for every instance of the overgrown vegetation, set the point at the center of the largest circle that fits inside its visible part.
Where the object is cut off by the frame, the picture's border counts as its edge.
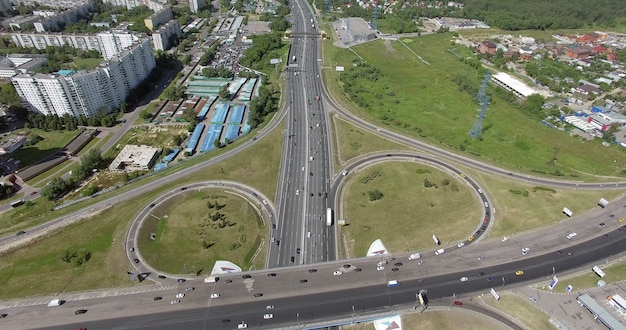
(59, 186)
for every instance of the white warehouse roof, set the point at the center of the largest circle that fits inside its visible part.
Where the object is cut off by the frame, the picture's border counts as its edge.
(508, 82)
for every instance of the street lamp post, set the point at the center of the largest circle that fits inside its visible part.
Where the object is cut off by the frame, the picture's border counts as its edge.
(453, 300)
(503, 282)
(416, 299)
(352, 313)
(298, 316)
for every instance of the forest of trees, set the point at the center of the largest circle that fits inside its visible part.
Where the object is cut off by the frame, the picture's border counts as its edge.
(504, 14)
(543, 15)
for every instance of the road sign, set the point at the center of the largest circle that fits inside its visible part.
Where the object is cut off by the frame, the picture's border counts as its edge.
(553, 283)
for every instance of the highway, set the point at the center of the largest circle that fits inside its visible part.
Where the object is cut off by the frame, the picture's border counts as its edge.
(302, 235)
(325, 299)
(306, 175)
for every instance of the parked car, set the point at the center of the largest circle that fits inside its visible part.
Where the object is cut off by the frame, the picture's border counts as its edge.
(215, 295)
(268, 316)
(157, 298)
(80, 311)
(180, 295)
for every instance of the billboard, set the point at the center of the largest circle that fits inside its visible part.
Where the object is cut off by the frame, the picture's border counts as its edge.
(494, 294)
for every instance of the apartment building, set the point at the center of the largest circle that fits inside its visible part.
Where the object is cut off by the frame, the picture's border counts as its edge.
(87, 92)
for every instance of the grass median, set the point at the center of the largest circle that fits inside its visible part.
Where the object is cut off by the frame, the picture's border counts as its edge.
(520, 309)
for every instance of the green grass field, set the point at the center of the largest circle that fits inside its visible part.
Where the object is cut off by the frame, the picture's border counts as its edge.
(522, 207)
(614, 273)
(84, 63)
(408, 214)
(22, 270)
(521, 310)
(421, 100)
(52, 142)
(352, 141)
(183, 223)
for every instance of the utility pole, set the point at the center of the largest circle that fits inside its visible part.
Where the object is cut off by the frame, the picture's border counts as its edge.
(352, 313)
(298, 316)
(503, 282)
(416, 299)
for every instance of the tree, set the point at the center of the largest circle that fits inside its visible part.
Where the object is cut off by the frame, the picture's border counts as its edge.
(217, 143)
(223, 94)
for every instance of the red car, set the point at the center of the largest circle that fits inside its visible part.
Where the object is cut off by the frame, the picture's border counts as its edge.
(458, 303)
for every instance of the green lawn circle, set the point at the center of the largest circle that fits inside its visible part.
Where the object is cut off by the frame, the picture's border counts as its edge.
(409, 213)
(190, 237)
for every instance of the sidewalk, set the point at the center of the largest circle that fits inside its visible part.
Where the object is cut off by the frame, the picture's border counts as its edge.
(43, 300)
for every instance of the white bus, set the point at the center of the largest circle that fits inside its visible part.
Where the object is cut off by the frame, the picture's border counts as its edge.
(598, 271)
(329, 217)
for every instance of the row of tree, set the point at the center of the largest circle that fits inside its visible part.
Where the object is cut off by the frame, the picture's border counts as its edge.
(58, 187)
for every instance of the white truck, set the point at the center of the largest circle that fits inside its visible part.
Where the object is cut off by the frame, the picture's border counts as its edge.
(55, 303)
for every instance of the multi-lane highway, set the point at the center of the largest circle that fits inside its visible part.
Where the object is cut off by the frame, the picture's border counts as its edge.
(302, 235)
(305, 298)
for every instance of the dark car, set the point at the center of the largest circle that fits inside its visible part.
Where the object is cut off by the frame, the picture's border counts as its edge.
(247, 276)
(601, 224)
(157, 298)
(152, 205)
(481, 273)
(183, 188)
(136, 260)
(277, 242)
(181, 280)
(257, 295)
(271, 275)
(312, 270)
(347, 266)
(394, 269)
(3, 316)
(292, 259)
(224, 321)
(162, 276)
(398, 264)
(490, 279)
(189, 289)
(273, 226)
(358, 270)
(21, 232)
(228, 281)
(484, 227)
(80, 311)
(303, 281)
(298, 250)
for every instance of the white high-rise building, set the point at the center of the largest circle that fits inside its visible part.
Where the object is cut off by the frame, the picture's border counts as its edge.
(195, 5)
(114, 42)
(86, 92)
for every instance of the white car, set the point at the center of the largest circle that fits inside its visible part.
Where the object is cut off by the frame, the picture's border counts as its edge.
(302, 168)
(486, 204)
(268, 316)
(464, 278)
(461, 244)
(174, 302)
(415, 256)
(215, 295)
(297, 192)
(337, 273)
(242, 325)
(269, 307)
(572, 235)
(380, 267)
(264, 202)
(504, 239)
(180, 295)
(525, 249)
